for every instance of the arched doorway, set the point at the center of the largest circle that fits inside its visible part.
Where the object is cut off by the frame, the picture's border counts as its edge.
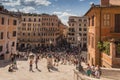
(22, 46)
(2, 57)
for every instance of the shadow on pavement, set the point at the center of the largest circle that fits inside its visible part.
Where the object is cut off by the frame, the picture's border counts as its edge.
(39, 70)
(81, 70)
(4, 63)
(54, 69)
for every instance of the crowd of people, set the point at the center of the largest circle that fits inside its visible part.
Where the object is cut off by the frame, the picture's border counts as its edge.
(94, 71)
(13, 64)
(54, 57)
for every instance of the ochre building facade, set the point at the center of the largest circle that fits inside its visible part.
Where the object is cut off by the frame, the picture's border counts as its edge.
(104, 35)
(77, 29)
(8, 33)
(38, 30)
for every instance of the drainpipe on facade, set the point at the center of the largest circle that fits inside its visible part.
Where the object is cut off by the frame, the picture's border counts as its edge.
(100, 36)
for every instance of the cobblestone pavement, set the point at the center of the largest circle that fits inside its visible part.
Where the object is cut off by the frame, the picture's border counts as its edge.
(65, 72)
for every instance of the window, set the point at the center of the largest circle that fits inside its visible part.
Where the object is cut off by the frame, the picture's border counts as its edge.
(85, 20)
(84, 34)
(33, 24)
(28, 29)
(118, 50)
(52, 24)
(72, 20)
(14, 33)
(92, 20)
(38, 25)
(80, 20)
(43, 24)
(80, 34)
(106, 19)
(69, 24)
(72, 29)
(79, 24)
(29, 24)
(23, 34)
(92, 45)
(1, 48)
(84, 45)
(30, 20)
(34, 19)
(89, 40)
(89, 21)
(14, 22)
(73, 39)
(24, 24)
(39, 20)
(84, 24)
(88, 56)
(34, 34)
(8, 35)
(28, 34)
(3, 21)
(22, 28)
(18, 34)
(1, 35)
(72, 24)
(117, 23)
(8, 21)
(38, 34)
(85, 29)
(24, 19)
(80, 29)
(13, 44)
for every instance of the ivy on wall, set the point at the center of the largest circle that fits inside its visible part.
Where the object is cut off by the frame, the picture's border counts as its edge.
(118, 48)
(100, 46)
(104, 47)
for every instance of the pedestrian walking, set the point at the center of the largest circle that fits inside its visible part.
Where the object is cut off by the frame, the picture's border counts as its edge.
(36, 61)
(13, 58)
(88, 70)
(97, 71)
(31, 65)
(15, 65)
(93, 70)
(49, 62)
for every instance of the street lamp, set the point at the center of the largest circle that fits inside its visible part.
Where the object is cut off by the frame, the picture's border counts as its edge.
(50, 44)
(7, 52)
(11, 50)
(79, 52)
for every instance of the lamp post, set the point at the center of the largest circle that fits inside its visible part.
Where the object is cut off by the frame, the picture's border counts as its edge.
(50, 44)
(11, 50)
(79, 53)
(7, 52)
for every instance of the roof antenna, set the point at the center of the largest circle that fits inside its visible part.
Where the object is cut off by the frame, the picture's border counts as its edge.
(92, 4)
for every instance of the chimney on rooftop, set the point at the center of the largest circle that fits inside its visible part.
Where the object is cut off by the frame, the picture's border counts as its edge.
(105, 2)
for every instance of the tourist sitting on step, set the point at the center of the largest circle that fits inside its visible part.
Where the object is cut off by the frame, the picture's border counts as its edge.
(10, 69)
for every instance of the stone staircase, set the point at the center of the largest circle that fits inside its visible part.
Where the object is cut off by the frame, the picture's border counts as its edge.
(107, 74)
(79, 76)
